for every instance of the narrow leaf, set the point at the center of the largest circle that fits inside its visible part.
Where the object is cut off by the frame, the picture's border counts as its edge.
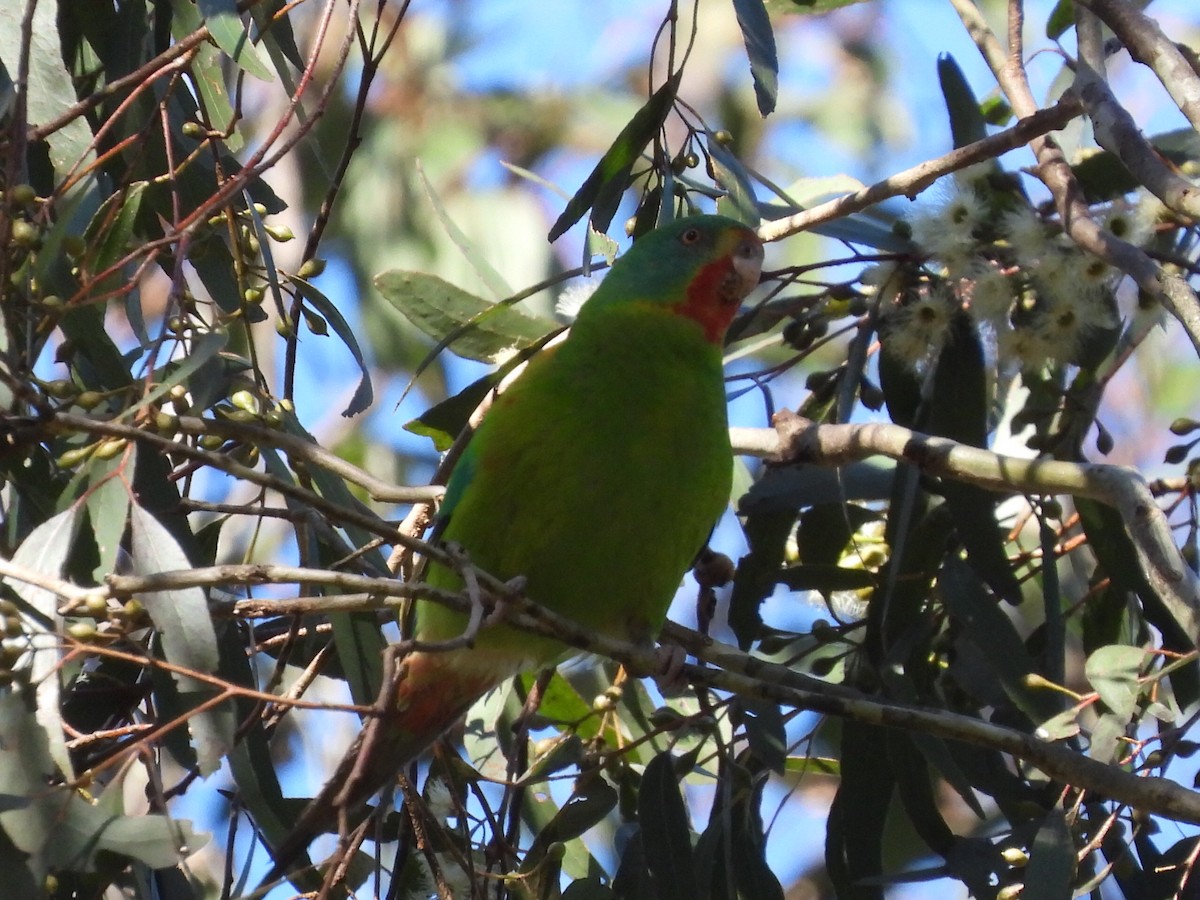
(45, 551)
(493, 279)
(108, 509)
(739, 200)
(666, 836)
(233, 36)
(1052, 859)
(364, 394)
(439, 309)
(188, 638)
(967, 124)
(602, 189)
(760, 49)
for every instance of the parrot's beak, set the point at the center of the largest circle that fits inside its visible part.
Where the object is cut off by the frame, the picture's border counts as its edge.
(747, 264)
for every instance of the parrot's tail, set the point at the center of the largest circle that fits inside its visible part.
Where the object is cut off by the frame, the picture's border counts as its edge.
(430, 696)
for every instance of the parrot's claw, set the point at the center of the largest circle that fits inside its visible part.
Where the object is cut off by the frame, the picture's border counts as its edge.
(514, 587)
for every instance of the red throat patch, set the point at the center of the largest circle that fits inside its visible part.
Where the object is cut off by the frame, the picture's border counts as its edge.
(713, 299)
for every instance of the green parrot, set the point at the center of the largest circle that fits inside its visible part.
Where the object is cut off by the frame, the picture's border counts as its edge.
(597, 476)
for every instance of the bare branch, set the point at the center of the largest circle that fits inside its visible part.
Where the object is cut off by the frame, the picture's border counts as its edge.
(1147, 44)
(1116, 131)
(912, 181)
(799, 440)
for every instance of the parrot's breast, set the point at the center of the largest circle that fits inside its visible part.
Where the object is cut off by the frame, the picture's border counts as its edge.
(598, 476)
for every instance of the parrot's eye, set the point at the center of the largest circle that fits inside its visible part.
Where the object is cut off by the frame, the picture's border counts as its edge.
(691, 236)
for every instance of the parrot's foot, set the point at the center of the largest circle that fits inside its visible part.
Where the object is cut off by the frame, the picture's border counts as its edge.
(514, 587)
(668, 674)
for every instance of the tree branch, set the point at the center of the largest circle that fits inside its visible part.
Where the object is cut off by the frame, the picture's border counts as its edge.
(911, 182)
(747, 676)
(1147, 44)
(1116, 131)
(799, 440)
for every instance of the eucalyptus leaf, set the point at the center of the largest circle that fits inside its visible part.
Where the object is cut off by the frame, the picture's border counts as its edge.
(760, 49)
(601, 191)
(188, 639)
(57, 827)
(45, 551)
(481, 330)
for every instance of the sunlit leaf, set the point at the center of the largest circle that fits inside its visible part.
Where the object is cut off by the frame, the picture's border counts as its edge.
(231, 35)
(57, 827)
(1114, 672)
(481, 330)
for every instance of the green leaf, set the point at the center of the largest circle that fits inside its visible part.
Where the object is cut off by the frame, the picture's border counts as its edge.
(443, 421)
(111, 231)
(49, 91)
(480, 330)
(45, 551)
(277, 35)
(232, 35)
(826, 528)
(601, 191)
(760, 49)
(364, 394)
(915, 789)
(207, 73)
(967, 124)
(981, 621)
(739, 200)
(107, 505)
(1052, 858)
(1114, 672)
(1061, 18)
(765, 733)
(796, 487)
(58, 828)
(564, 707)
(876, 226)
(958, 409)
(488, 275)
(1114, 550)
(188, 638)
(758, 571)
(938, 755)
(1102, 176)
(666, 836)
(591, 802)
(813, 765)
(857, 818)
